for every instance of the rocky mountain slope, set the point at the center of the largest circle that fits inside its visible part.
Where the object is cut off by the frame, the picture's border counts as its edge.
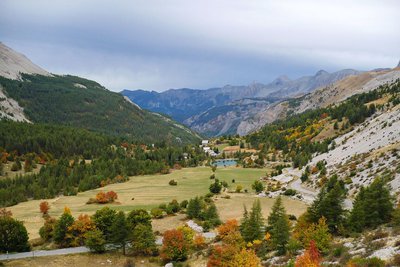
(368, 150)
(218, 111)
(28, 93)
(12, 64)
(322, 97)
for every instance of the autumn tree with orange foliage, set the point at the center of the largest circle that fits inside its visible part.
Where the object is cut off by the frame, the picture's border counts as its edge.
(103, 198)
(76, 232)
(175, 247)
(232, 251)
(111, 196)
(44, 208)
(199, 242)
(310, 258)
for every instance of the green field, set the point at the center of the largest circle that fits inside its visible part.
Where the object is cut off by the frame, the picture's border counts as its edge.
(151, 190)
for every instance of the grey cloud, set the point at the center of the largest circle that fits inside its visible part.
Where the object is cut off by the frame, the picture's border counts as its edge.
(159, 44)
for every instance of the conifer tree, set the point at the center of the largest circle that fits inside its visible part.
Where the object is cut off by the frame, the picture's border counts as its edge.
(120, 233)
(279, 226)
(61, 227)
(194, 208)
(143, 240)
(252, 223)
(373, 206)
(329, 204)
(211, 215)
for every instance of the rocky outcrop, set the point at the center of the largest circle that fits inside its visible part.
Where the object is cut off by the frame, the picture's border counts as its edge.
(12, 64)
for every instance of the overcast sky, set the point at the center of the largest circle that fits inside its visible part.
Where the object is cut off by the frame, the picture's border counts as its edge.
(162, 44)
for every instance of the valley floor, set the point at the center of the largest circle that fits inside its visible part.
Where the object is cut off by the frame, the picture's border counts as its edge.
(151, 190)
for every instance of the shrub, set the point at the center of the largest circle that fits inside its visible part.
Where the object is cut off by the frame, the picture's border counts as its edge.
(129, 263)
(173, 182)
(44, 207)
(103, 197)
(215, 187)
(157, 213)
(362, 262)
(184, 204)
(257, 186)
(239, 188)
(396, 260)
(290, 192)
(13, 235)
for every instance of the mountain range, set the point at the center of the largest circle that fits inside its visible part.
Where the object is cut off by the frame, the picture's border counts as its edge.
(218, 111)
(29, 93)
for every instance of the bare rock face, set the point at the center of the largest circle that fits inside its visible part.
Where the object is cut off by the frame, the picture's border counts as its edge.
(10, 109)
(12, 64)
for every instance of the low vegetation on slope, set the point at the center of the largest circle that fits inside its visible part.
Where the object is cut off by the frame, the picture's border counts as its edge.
(78, 102)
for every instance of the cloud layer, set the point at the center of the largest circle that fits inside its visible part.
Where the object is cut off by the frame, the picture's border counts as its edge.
(159, 44)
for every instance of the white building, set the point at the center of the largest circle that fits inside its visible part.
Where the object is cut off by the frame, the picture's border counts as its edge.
(204, 142)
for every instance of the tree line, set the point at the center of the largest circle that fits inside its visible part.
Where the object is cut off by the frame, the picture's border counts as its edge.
(68, 176)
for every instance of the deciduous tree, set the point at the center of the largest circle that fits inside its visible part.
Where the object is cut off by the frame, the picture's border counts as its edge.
(174, 246)
(44, 208)
(13, 235)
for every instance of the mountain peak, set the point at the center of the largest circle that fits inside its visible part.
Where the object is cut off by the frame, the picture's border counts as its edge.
(398, 65)
(321, 72)
(281, 80)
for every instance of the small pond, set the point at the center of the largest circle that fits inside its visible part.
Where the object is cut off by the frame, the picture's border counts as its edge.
(224, 162)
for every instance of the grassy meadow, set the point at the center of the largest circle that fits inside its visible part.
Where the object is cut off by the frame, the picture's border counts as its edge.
(149, 191)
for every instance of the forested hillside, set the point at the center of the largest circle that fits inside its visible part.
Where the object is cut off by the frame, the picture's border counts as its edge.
(76, 160)
(78, 102)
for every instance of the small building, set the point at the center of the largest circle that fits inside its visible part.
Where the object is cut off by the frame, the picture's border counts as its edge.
(206, 149)
(204, 142)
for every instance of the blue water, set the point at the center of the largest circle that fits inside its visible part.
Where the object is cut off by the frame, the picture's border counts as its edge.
(224, 162)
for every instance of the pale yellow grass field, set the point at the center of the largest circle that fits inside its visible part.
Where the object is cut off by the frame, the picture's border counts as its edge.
(80, 260)
(151, 190)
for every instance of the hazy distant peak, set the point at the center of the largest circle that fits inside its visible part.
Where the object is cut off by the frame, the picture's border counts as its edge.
(281, 80)
(321, 72)
(12, 64)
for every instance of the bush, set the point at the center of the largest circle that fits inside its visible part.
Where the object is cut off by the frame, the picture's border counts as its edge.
(365, 262)
(239, 188)
(257, 186)
(157, 213)
(184, 204)
(215, 187)
(129, 263)
(13, 235)
(396, 260)
(173, 182)
(290, 192)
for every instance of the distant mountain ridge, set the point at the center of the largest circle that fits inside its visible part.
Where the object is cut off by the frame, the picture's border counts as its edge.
(31, 94)
(229, 104)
